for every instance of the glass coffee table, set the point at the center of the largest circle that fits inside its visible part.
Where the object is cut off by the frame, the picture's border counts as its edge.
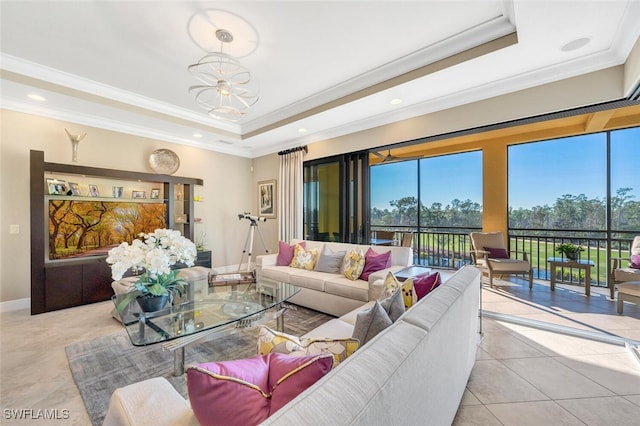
(224, 309)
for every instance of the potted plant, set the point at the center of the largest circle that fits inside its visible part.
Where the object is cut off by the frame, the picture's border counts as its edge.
(570, 250)
(153, 254)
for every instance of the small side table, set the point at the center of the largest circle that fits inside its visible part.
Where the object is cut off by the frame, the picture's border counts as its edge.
(411, 271)
(561, 262)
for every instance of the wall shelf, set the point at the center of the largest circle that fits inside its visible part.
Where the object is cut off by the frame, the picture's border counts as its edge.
(71, 282)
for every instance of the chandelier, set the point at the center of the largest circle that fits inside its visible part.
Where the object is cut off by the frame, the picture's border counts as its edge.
(227, 92)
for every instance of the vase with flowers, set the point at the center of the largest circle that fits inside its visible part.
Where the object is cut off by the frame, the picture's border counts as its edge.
(152, 255)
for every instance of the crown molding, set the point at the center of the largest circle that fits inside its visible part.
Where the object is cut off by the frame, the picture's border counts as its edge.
(53, 76)
(119, 126)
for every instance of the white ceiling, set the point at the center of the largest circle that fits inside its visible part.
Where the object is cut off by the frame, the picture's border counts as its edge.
(329, 67)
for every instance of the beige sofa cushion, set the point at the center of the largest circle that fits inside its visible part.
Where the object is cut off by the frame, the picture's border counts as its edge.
(508, 265)
(309, 279)
(279, 273)
(342, 286)
(153, 402)
(488, 239)
(627, 274)
(631, 288)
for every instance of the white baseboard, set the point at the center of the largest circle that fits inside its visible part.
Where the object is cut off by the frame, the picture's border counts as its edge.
(15, 305)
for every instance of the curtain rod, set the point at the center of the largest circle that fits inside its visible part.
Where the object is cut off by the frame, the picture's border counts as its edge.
(289, 151)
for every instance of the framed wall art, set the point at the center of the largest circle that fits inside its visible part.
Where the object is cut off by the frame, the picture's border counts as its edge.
(267, 198)
(137, 195)
(93, 191)
(74, 188)
(56, 186)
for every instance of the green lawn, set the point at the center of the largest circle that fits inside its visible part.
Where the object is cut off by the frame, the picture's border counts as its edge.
(458, 246)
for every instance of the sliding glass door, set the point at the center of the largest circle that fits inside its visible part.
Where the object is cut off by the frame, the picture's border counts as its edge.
(334, 200)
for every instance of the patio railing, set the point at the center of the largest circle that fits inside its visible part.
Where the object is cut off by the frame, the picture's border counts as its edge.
(449, 247)
(599, 248)
(443, 247)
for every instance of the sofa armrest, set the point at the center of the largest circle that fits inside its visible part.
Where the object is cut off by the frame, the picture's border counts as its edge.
(375, 289)
(382, 274)
(266, 260)
(150, 402)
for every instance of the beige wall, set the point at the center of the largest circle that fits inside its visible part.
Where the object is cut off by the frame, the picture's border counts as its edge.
(593, 88)
(228, 189)
(265, 168)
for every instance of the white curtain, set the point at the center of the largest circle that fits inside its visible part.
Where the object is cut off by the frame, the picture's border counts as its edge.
(290, 203)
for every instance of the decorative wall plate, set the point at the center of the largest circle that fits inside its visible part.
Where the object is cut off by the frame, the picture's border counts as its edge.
(164, 161)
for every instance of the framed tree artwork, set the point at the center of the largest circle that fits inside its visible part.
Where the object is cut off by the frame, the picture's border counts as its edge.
(267, 198)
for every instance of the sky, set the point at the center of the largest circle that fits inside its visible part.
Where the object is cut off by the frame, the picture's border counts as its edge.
(444, 178)
(539, 172)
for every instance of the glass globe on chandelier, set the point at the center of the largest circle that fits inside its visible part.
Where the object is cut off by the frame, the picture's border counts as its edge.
(227, 92)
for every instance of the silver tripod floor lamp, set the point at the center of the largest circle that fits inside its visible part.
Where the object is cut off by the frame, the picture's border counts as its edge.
(248, 245)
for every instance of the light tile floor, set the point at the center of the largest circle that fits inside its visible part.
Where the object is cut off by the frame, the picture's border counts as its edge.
(522, 375)
(527, 376)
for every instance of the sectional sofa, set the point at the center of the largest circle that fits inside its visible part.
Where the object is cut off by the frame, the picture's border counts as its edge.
(413, 372)
(333, 293)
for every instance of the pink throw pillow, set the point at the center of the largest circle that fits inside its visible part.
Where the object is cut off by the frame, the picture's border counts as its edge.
(290, 375)
(230, 392)
(635, 262)
(247, 391)
(424, 284)
(497, 253)
(374, 262)
(285, 253)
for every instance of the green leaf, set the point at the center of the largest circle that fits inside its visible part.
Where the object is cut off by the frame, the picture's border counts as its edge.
(127, 299)
(157, 289)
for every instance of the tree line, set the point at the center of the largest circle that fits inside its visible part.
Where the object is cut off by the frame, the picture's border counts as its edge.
(567, 212)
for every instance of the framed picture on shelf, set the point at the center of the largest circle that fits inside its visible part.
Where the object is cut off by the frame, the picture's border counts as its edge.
(57, 187)
(155, 193)
(73, 187)
(267, 198)
(93, 191)
(137, 195)
(117, 191)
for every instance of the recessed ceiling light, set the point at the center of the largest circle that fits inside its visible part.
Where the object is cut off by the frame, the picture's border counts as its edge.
(395, 101)
(302, 130)
(197, 135)
(575, 44)
(35, 97)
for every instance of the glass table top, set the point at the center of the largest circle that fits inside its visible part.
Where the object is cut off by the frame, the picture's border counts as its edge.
(565, 260)
(220, 305)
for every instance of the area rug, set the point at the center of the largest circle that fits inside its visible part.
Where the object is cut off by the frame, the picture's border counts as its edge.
(101, 365)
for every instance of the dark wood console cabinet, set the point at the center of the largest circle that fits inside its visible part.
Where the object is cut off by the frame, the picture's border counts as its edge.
(74, 282)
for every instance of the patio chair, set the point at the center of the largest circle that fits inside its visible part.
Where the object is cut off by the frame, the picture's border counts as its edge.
(385, 238)
(407, 239)
(490, 255)
(385, 235)
(621, 270)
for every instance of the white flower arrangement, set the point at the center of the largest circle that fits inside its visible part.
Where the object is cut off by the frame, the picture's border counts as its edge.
(154, 254)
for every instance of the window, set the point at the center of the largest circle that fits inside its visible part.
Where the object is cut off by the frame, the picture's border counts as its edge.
(558, 184)
(394, 194)
(558, 193)
(451, 190)
(625, 181)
